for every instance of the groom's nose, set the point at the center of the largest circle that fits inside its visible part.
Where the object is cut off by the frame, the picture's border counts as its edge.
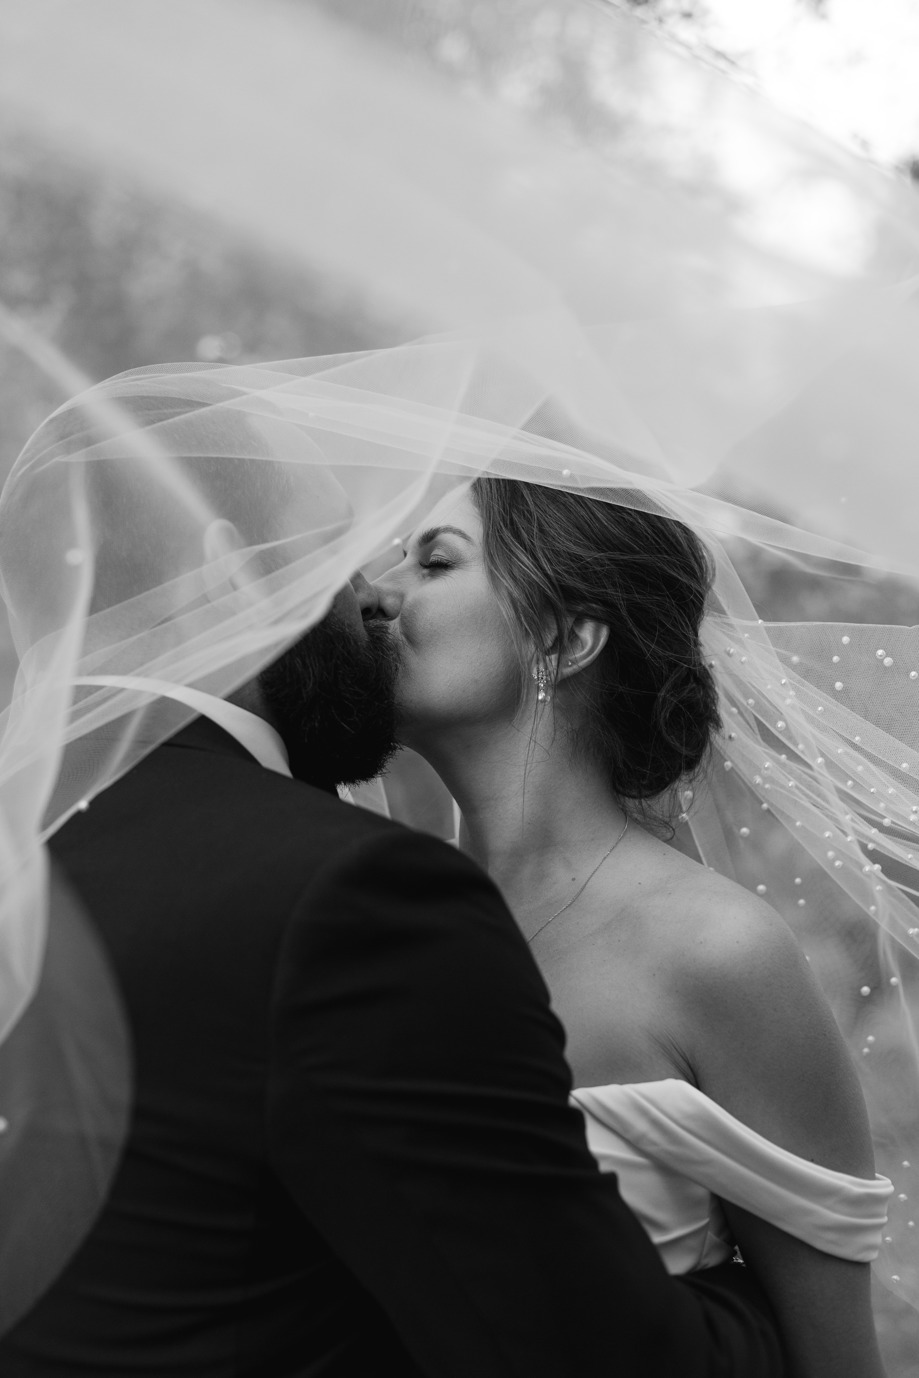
(367, 598)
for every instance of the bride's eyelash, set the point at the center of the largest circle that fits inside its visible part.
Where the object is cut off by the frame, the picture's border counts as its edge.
(436, 562)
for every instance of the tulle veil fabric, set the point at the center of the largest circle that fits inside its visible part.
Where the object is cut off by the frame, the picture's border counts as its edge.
(609, 308)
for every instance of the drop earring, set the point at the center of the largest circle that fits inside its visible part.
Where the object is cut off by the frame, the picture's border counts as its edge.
(542, 684)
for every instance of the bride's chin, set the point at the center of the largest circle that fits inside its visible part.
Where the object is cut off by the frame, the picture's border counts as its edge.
(406, 727)
(412, 733)
(421, 733)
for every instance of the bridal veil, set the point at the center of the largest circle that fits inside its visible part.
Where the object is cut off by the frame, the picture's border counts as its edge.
(701, 309)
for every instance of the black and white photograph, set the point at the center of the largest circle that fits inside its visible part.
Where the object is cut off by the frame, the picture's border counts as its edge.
(459, 689)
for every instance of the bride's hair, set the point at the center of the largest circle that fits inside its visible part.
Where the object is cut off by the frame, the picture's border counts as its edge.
(651, 705)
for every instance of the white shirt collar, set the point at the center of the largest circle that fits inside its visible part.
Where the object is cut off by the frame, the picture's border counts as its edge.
(253, 733)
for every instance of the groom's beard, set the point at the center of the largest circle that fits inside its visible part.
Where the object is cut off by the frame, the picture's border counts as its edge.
(332, 698)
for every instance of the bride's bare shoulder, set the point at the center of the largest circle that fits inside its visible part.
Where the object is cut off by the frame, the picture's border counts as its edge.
(710, 934)
(735, 975)
(744, 1008)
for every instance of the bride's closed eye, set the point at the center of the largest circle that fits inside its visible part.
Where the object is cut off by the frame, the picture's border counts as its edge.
(431, 560)
(436, 561)
(432, 557)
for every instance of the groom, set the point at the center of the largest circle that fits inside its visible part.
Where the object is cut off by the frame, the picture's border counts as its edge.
(350, 1150)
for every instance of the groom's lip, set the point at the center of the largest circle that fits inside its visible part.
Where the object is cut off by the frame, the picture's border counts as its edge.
(386, 622)
(400, 647)
(390, 632)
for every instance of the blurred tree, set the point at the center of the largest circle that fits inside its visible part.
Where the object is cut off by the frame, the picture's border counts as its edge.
(117, 279)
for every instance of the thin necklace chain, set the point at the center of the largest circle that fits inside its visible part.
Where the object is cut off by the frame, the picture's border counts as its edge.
(578, 893)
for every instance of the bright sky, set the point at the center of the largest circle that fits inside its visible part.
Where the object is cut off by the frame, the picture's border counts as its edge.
(853, 74)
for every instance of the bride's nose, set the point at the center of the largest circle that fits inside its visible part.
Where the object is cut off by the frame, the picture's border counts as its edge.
(367, 599)
(389, 596)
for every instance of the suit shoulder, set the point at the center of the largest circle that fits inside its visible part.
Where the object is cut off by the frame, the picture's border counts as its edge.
(248, 798)
(387, 887)
(415, 914)
(290, 807)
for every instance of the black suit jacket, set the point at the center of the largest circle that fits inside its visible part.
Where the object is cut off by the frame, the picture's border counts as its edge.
(350, 1150)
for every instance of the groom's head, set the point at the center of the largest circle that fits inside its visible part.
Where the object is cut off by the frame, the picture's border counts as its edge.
(184, 517)
(331, 695)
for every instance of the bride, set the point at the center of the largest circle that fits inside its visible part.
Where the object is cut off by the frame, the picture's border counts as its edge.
(553, 675)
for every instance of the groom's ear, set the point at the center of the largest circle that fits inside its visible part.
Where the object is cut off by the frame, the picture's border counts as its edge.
(584, 642)
(228, 565)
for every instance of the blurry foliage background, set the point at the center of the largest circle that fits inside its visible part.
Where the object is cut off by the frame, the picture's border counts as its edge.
(118, 278)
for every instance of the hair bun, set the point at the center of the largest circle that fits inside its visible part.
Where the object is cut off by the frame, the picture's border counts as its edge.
(686, 715)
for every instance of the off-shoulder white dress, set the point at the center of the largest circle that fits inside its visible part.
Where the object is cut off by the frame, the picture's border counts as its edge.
(676, 1152)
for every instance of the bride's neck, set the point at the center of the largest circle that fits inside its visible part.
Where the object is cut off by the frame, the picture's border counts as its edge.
(531, 808)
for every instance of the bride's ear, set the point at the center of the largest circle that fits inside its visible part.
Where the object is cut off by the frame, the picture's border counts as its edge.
(586, 639)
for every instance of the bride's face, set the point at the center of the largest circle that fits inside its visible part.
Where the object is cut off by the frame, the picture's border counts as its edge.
(459, 662)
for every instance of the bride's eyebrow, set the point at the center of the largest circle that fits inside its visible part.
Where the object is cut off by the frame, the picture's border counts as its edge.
(433, 532)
